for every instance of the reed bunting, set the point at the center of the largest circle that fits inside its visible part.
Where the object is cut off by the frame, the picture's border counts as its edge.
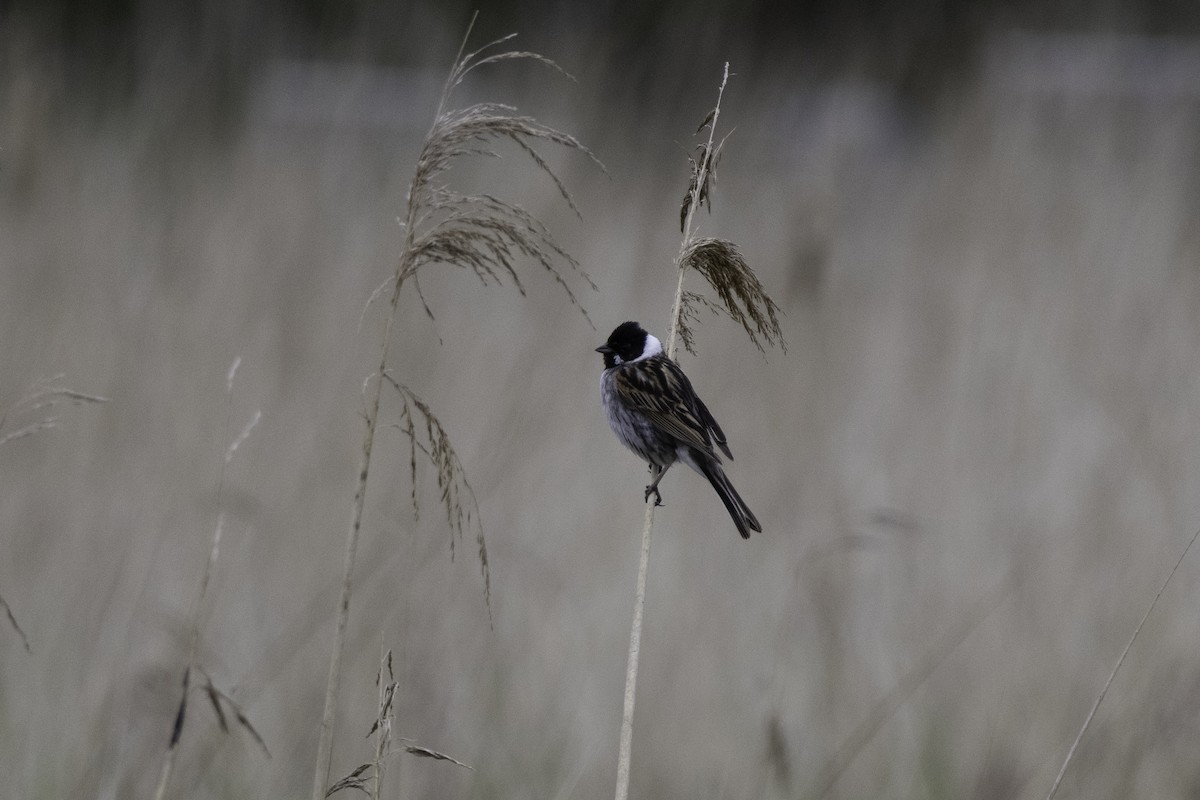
(655, 412)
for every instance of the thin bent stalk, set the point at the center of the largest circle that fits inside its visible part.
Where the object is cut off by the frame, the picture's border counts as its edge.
(909, 682)
(625, 749)
(325, 743)
(1087, 722)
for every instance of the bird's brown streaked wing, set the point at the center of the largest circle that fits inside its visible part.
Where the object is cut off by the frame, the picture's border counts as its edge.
(718, 435)
(701, 413)
(657, 389)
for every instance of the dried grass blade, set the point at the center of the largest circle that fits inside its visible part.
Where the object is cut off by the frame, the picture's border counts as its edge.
(250, 729)
(425, 752)
(215, 700)
(181, 712)
(351, 781)
(12, 620)
(30, 430)
(511, 54)
(466, 60)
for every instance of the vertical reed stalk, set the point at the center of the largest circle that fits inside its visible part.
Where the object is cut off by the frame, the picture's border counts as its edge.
(700, 181)
(325, 741)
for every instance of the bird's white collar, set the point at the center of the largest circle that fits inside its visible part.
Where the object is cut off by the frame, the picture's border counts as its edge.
(652, 348)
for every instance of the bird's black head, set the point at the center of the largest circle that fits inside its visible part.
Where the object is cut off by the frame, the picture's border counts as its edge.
(628, 342)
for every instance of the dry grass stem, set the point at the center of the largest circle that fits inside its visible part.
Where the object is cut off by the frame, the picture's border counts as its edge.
(625, 746)
(215, 696)
(483, 234)
(886, 706)
(242, 437)
(1087, 722)
(745, 301)
(699, 182)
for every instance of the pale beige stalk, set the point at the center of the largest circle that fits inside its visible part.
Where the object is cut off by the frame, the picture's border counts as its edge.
(625, 749)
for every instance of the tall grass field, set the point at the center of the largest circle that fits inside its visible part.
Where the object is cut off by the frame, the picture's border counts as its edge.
(974, 465)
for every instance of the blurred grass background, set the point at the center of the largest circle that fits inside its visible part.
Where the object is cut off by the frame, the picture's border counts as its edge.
(980, 220)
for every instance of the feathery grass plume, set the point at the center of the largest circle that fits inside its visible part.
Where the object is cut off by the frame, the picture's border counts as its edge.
(744, 299)
(483, 234)
(451, 478)
(457, 496)
(1087, 722)
(218, 700)
(741, 293)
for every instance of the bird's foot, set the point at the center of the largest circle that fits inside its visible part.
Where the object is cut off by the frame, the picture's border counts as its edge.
(652, 490)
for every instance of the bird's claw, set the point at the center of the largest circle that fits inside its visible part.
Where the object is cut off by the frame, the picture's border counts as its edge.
(652, 490)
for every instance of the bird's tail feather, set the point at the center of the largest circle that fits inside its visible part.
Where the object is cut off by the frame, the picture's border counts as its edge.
(743, 517)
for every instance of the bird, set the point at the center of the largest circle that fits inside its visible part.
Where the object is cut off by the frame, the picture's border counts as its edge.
(653, 409)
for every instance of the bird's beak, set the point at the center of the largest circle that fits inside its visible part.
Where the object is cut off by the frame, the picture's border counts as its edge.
(605, 349)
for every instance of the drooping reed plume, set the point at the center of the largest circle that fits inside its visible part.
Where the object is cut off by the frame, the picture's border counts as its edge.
(740, 295)
(493, 239)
